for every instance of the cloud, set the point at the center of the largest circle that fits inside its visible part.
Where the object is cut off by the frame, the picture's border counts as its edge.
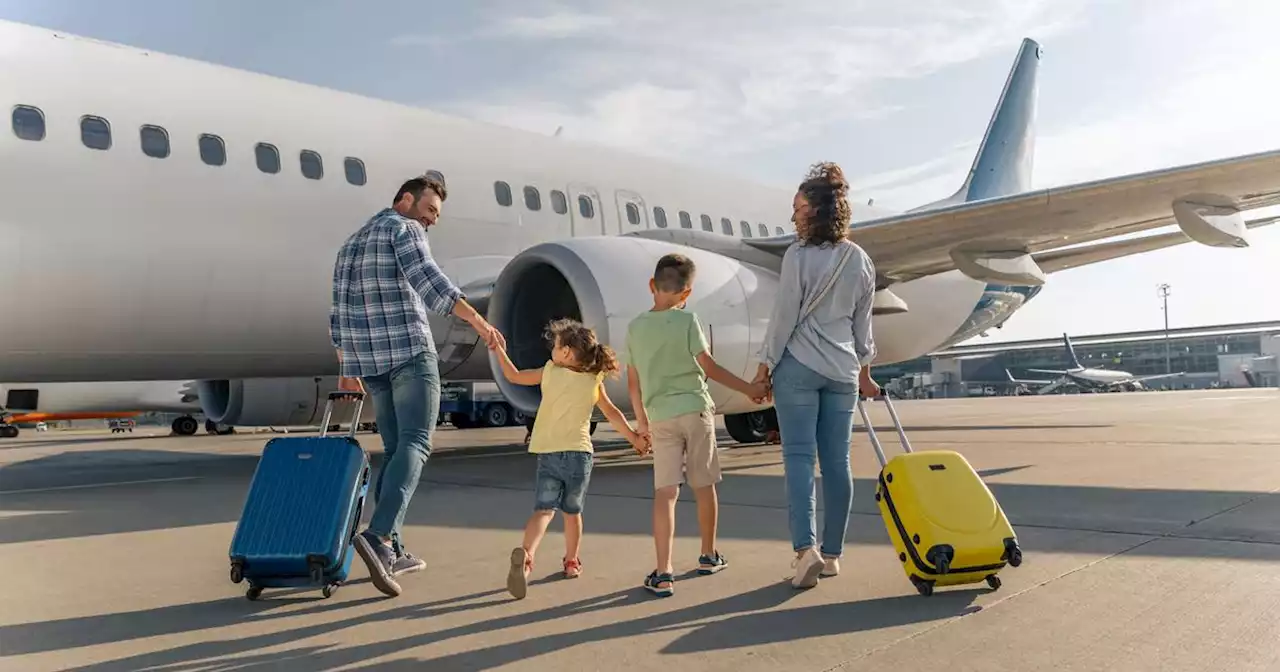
(689, 80)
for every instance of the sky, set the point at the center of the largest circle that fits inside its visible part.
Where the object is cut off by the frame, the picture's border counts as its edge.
(898, 94)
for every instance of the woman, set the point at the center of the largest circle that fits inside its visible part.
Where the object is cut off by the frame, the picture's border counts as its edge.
(816, 354)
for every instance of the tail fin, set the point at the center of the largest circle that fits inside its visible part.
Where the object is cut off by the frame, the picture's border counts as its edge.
(1071, 353)
(1004, 160)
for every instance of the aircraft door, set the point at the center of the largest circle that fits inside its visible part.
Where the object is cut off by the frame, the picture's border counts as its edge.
(632, 213)
(588, 216)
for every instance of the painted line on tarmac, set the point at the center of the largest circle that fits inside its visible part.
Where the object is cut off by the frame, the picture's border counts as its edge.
(86, 486)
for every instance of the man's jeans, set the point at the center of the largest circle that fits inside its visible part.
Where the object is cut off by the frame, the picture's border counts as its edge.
(815, 419)
(406, 402)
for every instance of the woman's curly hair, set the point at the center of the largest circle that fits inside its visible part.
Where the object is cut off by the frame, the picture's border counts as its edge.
(826, 190)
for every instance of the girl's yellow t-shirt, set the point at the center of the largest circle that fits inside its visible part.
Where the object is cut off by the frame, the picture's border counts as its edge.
(564, 416)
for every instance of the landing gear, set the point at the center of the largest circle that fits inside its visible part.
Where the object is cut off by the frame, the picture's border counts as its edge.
(751, 427)
(185, 426)
(211, 428)
(8, 432)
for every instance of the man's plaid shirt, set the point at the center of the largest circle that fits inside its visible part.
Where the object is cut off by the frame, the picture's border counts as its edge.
(384, 282)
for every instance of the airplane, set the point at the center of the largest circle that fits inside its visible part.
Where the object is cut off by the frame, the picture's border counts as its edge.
(1091, 378)
(235, 189)
(36, 402)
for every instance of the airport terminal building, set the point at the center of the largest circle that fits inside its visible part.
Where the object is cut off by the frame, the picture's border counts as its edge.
(1228, 355)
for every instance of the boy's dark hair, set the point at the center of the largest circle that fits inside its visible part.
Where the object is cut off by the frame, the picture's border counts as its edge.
(674, 273)
(419, 185)
(592, 355)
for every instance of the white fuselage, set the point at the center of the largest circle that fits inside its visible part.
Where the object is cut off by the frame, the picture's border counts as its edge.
(116, 265)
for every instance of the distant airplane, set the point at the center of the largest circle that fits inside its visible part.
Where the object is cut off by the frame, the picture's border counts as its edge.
(22, 403)
(1088, 378)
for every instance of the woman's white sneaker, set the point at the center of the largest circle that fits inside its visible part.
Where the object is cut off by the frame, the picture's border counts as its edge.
(808, 565)
(830, 568)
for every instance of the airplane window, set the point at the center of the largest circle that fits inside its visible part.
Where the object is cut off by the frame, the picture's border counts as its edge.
(585, 207)
(558, 202)
(660, 217)
(312, 165)
(155, 141)
(633, 214)
(764, 230)
(28, 123)
(686, 222)
(726, 226)
(746, 229)
(779, 230)
(95, 133)
(355, 171)
(706, 224)
(502, 191)
(212, 150)
(532, 199)
(268, 158)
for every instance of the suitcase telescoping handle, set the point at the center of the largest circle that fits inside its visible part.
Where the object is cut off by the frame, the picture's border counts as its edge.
(358, 397)
(871, 431)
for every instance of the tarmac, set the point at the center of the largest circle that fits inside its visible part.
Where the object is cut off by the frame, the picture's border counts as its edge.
(1150, 524)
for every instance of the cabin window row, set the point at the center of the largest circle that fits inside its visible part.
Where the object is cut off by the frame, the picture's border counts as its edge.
(95, 133)
(586, 207)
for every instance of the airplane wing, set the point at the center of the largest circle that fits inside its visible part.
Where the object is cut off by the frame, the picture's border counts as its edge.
(1142, 379)
(1051, 371)
(923, 243)
(1075, 257)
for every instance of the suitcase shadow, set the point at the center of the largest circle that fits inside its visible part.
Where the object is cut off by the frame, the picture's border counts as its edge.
(773, 627)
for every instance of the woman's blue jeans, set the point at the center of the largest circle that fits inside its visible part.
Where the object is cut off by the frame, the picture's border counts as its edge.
(815, 420)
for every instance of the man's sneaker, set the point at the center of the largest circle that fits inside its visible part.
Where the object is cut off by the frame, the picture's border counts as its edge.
(518, 574)
(407, 563)
(654, 584)
(380, 560)
(831, 567)
(710, 564)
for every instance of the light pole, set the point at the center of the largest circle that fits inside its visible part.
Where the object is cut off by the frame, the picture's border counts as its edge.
(1164, 292)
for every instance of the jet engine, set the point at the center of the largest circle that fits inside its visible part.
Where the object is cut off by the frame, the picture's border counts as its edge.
(604, 282)
(277, 402)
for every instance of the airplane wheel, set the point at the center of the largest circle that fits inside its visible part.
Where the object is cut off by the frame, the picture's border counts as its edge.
(8, 432)
(185, 426)
(747, 427)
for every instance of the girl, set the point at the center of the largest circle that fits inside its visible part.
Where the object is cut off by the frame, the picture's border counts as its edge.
(572, 384)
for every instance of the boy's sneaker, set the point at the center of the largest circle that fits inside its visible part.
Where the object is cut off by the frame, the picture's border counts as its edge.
(380, 559)
(710, 564)
(518, 574)
(654, 584)
(407, 563)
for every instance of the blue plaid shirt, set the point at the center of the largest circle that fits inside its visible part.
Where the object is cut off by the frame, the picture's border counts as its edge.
(384, 282)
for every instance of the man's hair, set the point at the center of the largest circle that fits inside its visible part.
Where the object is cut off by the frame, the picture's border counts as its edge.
(419, 185)
(674, 273)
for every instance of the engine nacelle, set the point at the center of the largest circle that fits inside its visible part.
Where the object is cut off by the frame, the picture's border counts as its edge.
(604, 282)
(274, 402)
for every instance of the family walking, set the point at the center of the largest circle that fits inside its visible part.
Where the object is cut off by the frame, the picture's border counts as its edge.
(813, 365)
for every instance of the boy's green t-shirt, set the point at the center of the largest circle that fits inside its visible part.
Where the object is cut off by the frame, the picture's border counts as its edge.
(664, 345)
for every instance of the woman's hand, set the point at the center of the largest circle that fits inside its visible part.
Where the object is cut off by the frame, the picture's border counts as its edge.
(762, 377)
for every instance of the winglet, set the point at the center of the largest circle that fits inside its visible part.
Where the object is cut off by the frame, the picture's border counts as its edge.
(1002, 166)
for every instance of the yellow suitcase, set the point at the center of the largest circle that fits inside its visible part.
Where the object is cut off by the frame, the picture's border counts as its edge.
(944, 523)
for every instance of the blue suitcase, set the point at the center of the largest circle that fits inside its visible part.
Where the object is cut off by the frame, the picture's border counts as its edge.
(302, 509)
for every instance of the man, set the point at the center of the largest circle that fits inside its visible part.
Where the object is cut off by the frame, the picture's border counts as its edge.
(384, 282)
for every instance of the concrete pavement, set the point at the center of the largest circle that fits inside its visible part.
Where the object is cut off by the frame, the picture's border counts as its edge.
(1149, 523)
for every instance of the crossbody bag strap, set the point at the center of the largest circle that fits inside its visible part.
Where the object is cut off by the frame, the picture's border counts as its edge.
(831, 281)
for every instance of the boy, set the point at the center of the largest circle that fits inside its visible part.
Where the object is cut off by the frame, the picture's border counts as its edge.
(668, 363)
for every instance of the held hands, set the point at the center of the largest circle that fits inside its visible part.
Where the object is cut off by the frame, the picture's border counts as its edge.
(641, 442)
(762, 386)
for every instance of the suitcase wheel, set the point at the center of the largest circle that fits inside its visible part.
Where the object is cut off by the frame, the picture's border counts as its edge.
(994, 581)
(237, 572)
(924, 587)
(253, 593)
(330, 589)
